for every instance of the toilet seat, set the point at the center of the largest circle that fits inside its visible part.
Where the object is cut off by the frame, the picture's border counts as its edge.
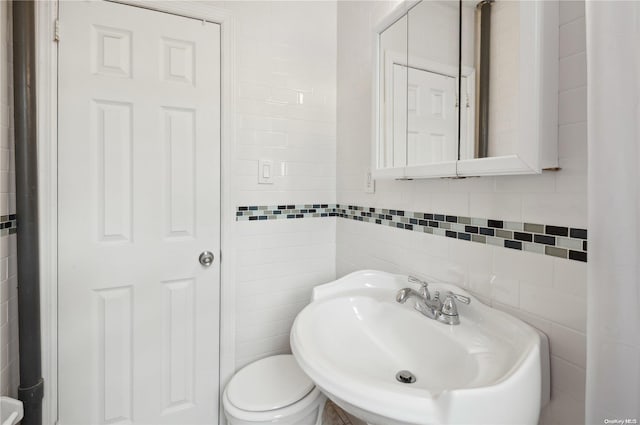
(270, 389)
(269, 384)
(291, 411)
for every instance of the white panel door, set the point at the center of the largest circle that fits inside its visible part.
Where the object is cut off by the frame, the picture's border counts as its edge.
(139, 200)
(432, 119)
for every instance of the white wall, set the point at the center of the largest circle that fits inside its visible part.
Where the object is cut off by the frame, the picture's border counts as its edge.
(286, 74)
(8, 277)
(547, 292)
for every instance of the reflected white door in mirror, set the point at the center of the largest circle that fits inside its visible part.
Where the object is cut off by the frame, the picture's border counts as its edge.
(465, 89)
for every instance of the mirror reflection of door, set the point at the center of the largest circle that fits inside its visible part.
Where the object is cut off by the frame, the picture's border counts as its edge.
(419, 84)
(433, 82)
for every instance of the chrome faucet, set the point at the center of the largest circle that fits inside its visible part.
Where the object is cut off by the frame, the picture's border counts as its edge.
(430, 305)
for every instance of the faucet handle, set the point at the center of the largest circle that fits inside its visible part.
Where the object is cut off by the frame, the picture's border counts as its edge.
(424, 291)
(462, 298)
(449, 307)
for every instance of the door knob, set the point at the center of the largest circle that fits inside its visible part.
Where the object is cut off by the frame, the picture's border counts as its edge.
(206, 258)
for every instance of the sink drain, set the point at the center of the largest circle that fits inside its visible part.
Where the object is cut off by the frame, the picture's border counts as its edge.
(405, 377)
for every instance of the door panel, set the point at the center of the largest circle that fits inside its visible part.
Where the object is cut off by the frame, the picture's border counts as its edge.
(139, 200)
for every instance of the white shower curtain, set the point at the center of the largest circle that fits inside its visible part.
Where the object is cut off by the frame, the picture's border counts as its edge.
(613, 324)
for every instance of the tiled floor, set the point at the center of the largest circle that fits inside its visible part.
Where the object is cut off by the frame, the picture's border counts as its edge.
(333, 415)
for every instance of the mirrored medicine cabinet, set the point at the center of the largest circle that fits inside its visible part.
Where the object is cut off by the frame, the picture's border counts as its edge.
(466, 88)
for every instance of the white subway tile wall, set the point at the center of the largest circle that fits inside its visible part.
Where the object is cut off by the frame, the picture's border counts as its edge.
(286, 76)
(278, 263)
(546, 292)
(8, 277)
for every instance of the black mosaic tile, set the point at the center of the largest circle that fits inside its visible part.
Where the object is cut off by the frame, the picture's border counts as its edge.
(557, 230)
(433, 224)
(423, 222)
(451, 234)
(428, 216)
(513, 244)
(243, 208)
(584, 245)
(578, 255)
(378, 221)
(253, 208)
(408, 226)
(521, 236)
(439, 217)
(452, 218)
(486, 231)
(400, 213)
(543, 239)
(498, 224)
(464, 236)
(239, 214)
(252, 218)
(12, 216)
(578, 233)
(413, 221)
(471, 229)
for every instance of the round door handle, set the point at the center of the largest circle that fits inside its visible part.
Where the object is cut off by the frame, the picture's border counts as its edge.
(206, 258)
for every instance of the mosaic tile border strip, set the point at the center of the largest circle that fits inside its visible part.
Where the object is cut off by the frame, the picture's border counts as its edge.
(557, 241)
(275, 212)
(8, 224)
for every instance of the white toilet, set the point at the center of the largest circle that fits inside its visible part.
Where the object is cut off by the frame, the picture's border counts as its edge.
(273, 390)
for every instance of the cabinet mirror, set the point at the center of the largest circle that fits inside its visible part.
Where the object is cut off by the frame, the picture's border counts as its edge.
(466, 88)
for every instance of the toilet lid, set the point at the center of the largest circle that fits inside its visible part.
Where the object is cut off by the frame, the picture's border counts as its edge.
(269, 384)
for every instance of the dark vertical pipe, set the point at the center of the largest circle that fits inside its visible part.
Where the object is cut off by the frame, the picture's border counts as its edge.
(24, 67)
(483, 87)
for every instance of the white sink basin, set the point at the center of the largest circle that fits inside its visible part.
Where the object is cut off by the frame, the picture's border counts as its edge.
(354, 337)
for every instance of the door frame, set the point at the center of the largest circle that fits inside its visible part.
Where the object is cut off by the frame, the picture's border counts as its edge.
(47, 119)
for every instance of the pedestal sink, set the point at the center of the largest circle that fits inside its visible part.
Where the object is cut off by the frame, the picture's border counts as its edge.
(362, 349)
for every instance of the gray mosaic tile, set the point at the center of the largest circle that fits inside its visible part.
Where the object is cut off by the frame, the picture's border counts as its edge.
(495, 241)
(505, 234)
(438, 231)
(464, 220)
(458, 227)
(479, 222)
(533, 247)
(569, 243)
(556, 252)
(534, 228)
(512, 225)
